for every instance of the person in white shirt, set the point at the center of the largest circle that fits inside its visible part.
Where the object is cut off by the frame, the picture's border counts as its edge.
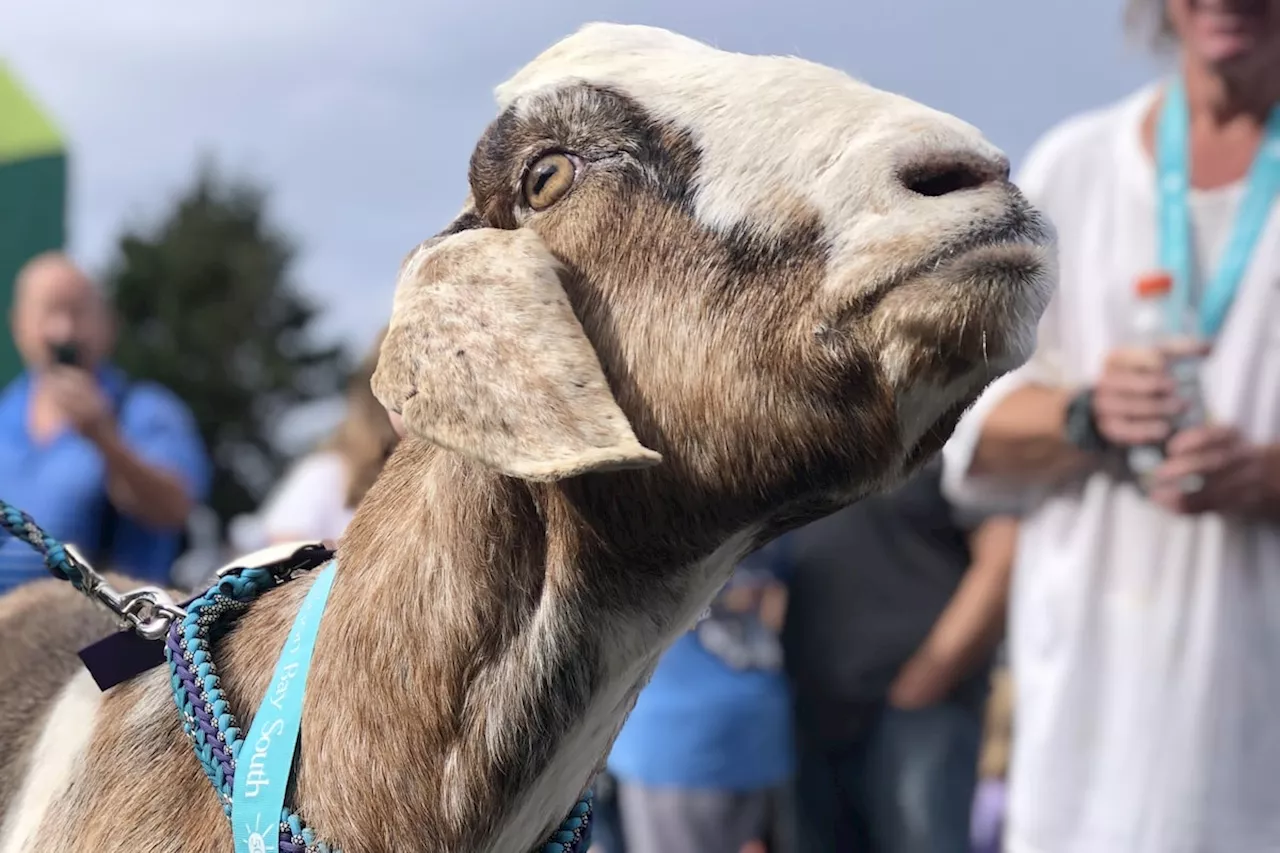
(318, 496)
(1145, 625)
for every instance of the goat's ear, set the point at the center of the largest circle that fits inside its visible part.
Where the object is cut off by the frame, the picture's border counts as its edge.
(485, 357)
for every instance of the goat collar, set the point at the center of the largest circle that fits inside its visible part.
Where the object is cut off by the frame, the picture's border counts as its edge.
(212, 727)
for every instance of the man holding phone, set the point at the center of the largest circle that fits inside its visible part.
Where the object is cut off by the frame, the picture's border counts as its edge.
(111, 466)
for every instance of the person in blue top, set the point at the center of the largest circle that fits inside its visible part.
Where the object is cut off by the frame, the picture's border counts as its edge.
(110, 466)
(703, 758)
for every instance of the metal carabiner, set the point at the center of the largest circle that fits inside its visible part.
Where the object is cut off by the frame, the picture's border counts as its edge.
(280, 558)
(148, 610)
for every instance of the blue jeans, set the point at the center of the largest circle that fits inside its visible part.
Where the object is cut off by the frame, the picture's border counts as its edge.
(906, 787)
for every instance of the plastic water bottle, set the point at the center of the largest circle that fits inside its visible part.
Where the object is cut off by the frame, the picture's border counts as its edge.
(1148, 329)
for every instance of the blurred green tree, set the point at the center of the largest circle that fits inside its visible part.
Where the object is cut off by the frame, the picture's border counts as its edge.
(208, 309)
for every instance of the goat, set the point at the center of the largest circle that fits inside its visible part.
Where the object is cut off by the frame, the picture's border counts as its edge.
(694, 299)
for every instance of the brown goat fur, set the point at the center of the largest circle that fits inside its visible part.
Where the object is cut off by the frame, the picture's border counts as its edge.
(755, 291)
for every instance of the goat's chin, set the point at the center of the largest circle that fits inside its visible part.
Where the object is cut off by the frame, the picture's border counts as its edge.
(935, 437)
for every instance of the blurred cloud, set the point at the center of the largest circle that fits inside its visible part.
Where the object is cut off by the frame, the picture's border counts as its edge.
(360, 116)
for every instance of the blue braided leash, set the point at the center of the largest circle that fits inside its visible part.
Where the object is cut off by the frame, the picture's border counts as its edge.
(61, 564)
(207, 720)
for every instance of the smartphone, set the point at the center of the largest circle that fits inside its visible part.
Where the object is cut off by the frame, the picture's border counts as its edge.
(67, 354)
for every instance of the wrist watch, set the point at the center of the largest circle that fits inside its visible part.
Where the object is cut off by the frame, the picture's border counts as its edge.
(1079, 427)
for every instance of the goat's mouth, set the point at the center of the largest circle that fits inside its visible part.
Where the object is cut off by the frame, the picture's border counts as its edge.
(1021, 229)
(1017, 237)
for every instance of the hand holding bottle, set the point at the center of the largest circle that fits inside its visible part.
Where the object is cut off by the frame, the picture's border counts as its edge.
(1135, 399)
(1172, 362)
(1237, 477)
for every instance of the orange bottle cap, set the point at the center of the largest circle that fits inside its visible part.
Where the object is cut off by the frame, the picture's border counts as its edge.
(1153, 284)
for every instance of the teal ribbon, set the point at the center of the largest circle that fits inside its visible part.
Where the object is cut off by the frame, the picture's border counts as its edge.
(1173, 168)
(265, 761)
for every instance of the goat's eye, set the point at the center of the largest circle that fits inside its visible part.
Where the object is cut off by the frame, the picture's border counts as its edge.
(548, 180)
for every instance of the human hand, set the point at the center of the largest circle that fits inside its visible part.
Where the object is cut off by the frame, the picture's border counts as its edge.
(1234, 473)
(1135, 399)
(922, 681)
(76, 394)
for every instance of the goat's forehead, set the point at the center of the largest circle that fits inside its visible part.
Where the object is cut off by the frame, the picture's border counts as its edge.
(682, 80)
(764, 126)
(619, 54)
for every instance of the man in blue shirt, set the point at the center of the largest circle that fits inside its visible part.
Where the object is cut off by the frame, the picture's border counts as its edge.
(88, 454)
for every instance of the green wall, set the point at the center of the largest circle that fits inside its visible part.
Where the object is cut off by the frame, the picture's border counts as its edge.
(33, 195)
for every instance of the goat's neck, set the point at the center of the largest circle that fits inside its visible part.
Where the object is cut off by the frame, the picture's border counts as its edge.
(482, 644)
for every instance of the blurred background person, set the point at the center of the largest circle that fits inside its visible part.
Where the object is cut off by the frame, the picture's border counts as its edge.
(318, 496)
(109, 465)
(896, 607)
(701, 764)
(1145, 622)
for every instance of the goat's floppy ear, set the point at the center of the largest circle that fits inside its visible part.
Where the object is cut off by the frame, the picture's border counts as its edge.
(485, 357)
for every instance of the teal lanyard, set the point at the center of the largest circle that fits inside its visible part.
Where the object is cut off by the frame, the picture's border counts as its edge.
(1173, 186)
(265, 760)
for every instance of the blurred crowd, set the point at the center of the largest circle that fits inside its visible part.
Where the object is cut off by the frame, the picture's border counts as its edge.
(1060, 636)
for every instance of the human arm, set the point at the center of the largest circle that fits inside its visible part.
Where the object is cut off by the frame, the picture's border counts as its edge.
(971, 624)
(155, 466)
(1028, 435)
(1024, 437)
(148, 493)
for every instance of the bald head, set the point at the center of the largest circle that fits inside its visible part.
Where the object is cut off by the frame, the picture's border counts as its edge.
(56, 304)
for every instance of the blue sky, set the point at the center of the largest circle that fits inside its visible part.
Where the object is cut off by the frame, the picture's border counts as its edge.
(360, 116)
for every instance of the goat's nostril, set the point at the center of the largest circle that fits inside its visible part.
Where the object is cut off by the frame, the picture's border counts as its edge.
(944, 178)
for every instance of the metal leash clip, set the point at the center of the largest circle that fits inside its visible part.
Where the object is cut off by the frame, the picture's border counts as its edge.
(147, 610)
(283, 560)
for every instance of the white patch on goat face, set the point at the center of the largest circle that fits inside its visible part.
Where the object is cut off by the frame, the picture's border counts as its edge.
(632, 648)
(54, 763)
(773, 131)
